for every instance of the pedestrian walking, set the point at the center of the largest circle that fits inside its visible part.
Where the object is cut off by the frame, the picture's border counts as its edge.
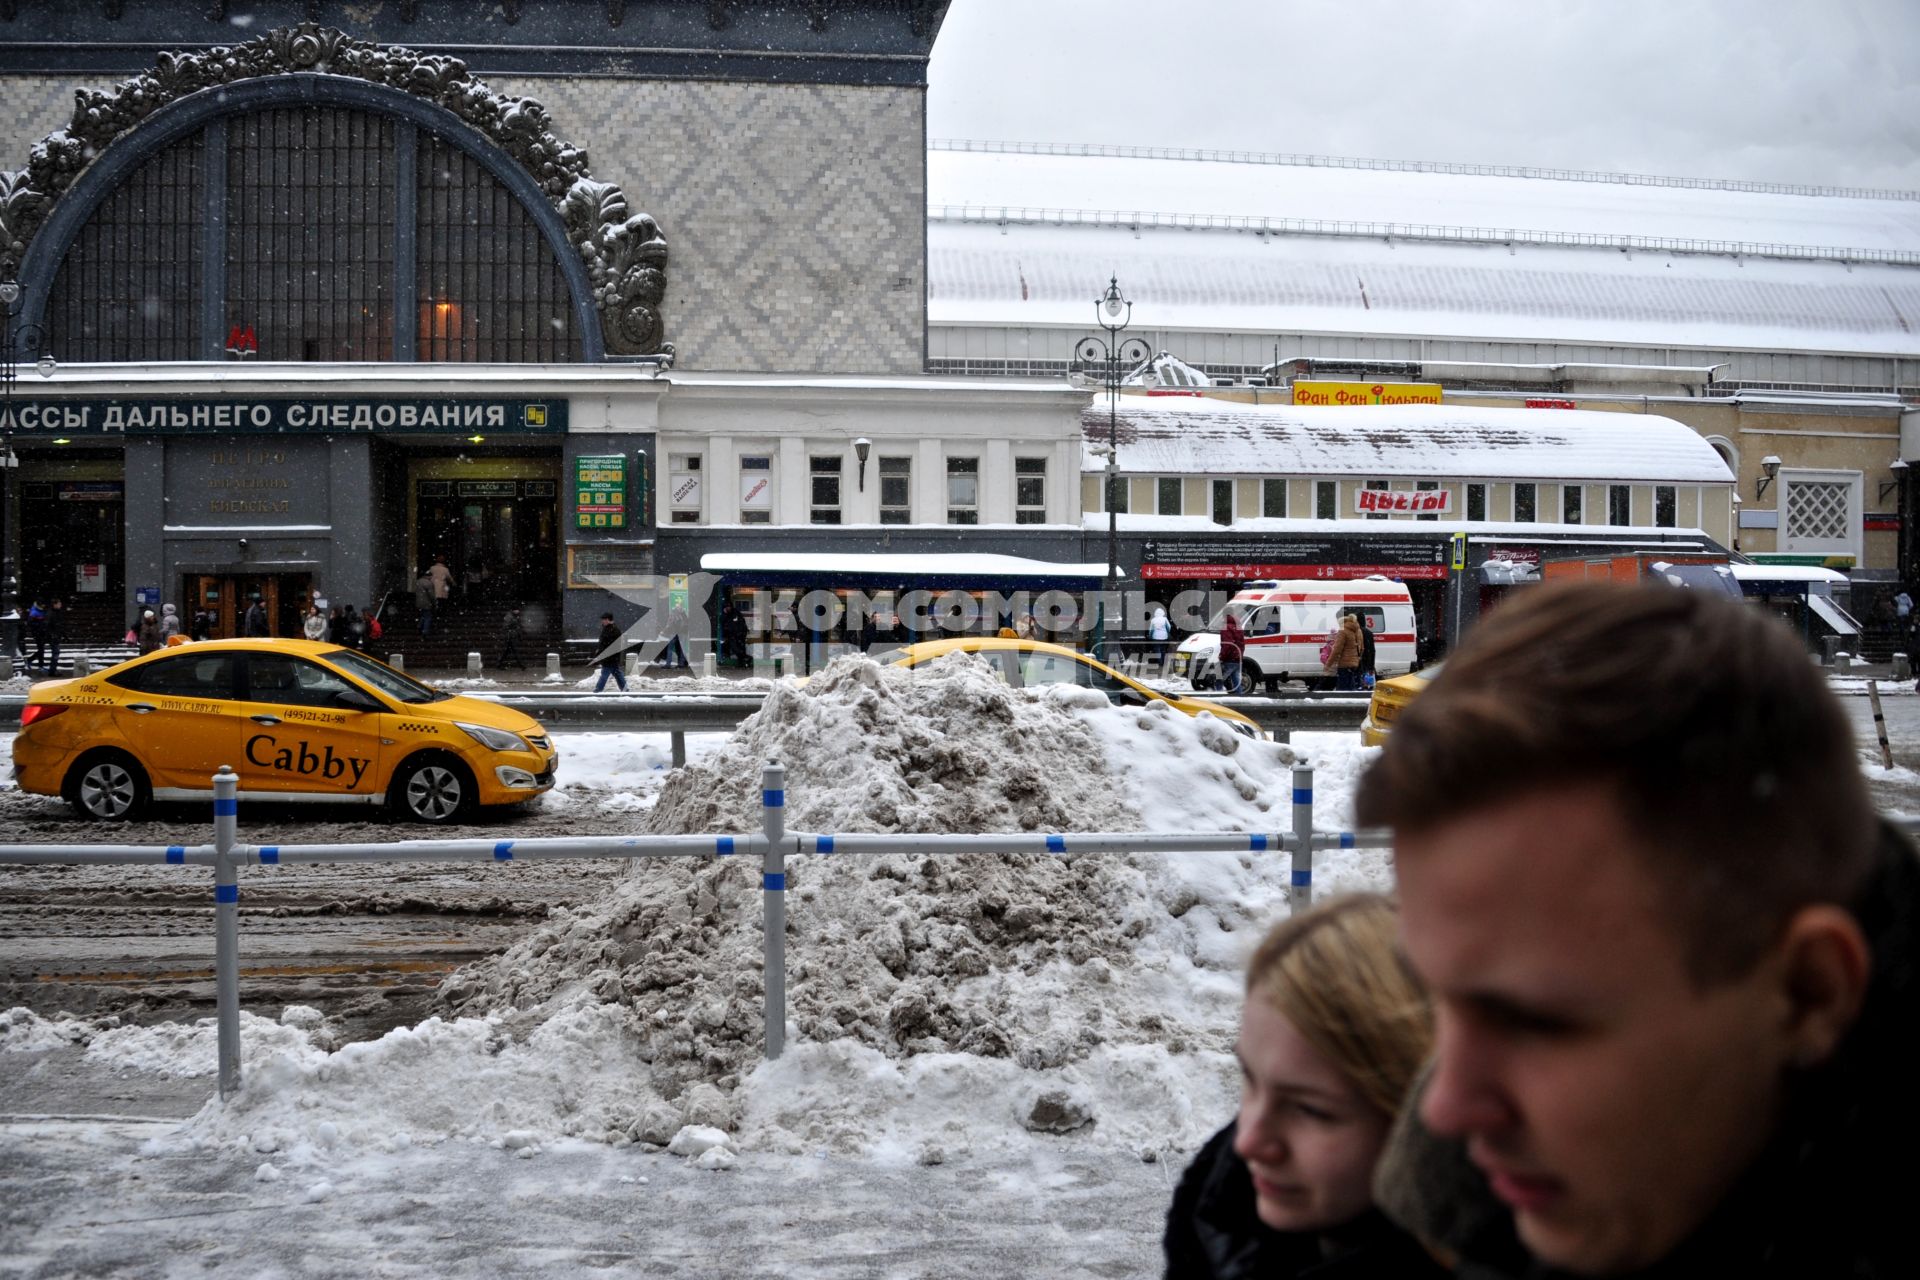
(1343, 655)
(424, 599)
(1233, 647)
(255, 624)
(56, 631)
(1333, 1029)
(202, 626)
(36, 634)
(1160, 631)
(609, 658)
(442, 583)
(510, 641)
(147, 634)
(169, 624)
(676, 654)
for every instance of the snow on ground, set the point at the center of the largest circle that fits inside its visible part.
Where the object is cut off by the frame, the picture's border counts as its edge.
(937, 1007)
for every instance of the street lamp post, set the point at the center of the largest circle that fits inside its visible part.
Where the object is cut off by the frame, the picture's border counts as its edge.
(1112, 356)
(12, 338)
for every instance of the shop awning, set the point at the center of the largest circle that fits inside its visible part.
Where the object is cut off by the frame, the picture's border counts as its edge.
(838, 564)
(1833, 615)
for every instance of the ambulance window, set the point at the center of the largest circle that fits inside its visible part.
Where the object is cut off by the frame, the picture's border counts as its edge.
(1266, 622)
(290, 681)
(206, 675)
(1374, 620)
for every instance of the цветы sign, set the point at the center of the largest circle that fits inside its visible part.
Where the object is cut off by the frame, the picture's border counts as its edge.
(1421, 502)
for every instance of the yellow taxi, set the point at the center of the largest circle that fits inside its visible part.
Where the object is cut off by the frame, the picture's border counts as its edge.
(1026, 664)
(1390, 698)
(296, 719)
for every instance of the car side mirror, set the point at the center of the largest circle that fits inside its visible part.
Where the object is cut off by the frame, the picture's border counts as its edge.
(354, 700)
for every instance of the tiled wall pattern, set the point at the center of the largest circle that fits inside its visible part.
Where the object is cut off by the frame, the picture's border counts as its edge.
(795, 215)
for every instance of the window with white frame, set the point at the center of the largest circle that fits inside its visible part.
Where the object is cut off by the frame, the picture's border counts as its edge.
(1326, 499)
(1619, 504)
(1426, 486)
(686, 499)
(823, 478)
(1821, 512)
(1273, 499)
(963, 491)
(1524, 496)
(756, 488)
(1222, 501)
(896, 490)
(1029, 490)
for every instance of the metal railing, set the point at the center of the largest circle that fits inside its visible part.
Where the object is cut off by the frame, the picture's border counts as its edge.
(773, 844)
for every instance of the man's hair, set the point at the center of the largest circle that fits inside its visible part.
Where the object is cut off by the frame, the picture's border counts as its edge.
(1336, 974)
(1732, 764)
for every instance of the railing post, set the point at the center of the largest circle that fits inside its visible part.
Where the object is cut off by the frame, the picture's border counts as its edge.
(678, 738)
(1300, 887)
(226, 927)
(773, 895)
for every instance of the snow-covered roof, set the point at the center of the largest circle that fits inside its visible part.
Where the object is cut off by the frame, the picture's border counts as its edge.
(1787, 573)
(1021, 240)
(1638, 537)
(1166, 370)
(919, 566)
(1177, 436)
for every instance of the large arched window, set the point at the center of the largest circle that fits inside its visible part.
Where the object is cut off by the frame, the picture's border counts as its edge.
(312, 232)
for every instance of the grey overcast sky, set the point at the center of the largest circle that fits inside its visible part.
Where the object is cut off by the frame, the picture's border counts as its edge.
(1816, 91)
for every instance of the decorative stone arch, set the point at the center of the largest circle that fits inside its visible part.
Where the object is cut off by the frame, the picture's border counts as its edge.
(1729, 453)
(614, 262)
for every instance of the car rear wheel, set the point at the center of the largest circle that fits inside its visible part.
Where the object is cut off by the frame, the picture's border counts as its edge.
(432, 789)
(108, 787)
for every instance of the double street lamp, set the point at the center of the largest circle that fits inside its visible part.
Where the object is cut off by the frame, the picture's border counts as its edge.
(1110, 359)
(12, 339)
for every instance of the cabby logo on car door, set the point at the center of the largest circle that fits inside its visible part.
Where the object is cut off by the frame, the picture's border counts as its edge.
(265, 750)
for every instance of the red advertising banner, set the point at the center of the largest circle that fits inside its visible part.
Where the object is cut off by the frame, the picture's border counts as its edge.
(1242, 572)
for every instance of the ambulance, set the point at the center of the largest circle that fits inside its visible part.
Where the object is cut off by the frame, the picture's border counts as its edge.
(1286, 622)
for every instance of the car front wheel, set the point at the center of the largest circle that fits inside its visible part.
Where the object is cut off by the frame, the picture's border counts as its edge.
(433, 790)
(108, 787)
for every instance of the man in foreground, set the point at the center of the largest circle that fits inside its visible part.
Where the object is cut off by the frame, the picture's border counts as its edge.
(1671, 951)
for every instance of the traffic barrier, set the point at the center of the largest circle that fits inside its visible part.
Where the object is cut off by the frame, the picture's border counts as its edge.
(773, 843)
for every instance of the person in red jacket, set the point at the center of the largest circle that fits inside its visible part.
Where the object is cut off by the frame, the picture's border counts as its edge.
(1233, 647)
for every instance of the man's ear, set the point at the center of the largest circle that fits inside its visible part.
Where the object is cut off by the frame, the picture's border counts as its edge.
(1825, 967)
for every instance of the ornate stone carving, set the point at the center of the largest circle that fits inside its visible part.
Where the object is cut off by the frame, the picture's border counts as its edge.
(624, 253)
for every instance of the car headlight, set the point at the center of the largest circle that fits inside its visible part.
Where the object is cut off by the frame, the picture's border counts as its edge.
(492, 739)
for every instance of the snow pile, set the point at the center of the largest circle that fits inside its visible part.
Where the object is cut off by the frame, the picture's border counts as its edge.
(688, 683)
(936, 1006)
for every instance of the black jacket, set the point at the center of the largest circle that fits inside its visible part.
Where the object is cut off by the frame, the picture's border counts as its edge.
(1833, 1195)
(1214, 1233)
(609, 637)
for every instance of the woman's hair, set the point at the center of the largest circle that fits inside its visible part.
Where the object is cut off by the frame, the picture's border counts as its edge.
(1336, 974)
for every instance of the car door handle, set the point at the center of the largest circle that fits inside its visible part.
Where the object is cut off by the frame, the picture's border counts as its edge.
(141, 708)
(264, 719)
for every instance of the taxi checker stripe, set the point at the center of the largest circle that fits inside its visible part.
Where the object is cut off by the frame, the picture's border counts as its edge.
(176, 853)
(226, 893)
(503, 852)
(269, 853)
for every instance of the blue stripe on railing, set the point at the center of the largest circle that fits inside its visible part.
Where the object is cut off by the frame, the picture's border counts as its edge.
(226, 893)
(823, 844)
(1257, 843)
(1346, 839)
(1303, 795)
(773, 799)
(225, 807)
(270, 853)
(1056, 844)
(1301, 879)
(503, 852)
(723, 845)
(774, 881)
(176, 853)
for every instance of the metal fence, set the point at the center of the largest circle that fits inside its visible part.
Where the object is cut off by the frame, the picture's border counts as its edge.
(773, 844)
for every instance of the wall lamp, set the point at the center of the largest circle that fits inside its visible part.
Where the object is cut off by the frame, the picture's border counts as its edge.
(1769, 468)
(861, 448)
(1899, 468)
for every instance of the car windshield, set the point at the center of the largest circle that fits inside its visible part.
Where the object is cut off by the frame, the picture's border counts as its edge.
(395, 684)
